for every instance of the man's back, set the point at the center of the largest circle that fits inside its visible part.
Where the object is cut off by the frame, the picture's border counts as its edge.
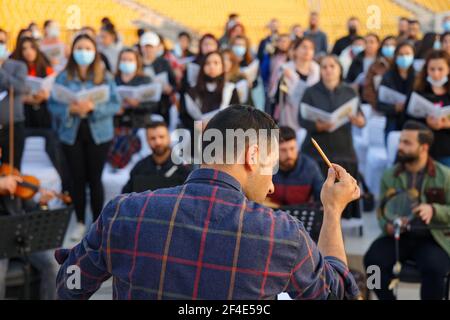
(201, 240)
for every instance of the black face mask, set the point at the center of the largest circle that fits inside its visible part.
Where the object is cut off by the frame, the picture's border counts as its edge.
(352, 30)
(213, 79)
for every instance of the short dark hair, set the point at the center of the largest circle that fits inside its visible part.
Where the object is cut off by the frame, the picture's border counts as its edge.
(243, 117)
(184, 34)
(425, 135)
(287, 134)
(155, 124)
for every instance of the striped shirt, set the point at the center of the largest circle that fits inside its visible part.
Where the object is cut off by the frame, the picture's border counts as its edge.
(201, 240)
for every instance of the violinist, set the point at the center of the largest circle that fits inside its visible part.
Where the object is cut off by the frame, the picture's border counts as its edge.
(43, 261)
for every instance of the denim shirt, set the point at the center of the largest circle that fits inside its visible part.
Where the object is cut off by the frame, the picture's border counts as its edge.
(100, 120)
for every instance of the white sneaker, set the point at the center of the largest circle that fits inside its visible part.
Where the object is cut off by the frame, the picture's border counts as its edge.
(78, 233)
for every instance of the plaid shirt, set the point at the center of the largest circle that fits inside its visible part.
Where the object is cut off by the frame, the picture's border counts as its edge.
(201, 240)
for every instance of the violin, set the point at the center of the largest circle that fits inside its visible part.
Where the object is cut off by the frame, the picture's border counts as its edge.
(29, 186)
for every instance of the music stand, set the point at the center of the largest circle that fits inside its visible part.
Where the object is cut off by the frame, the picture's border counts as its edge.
(311, 215)
(22, 235)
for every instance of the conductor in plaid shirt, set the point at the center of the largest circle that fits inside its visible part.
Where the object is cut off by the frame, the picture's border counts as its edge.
(210, 238)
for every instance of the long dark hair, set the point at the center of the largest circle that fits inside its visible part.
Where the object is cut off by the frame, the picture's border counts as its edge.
(96, 70)
(139, 64)
(421, 83)
(200, 87)
(394, 66)
(41, 61)
(200, 57)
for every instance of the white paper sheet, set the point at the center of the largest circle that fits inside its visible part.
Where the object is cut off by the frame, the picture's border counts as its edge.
(390, 96)
(144, 93)
(251, 71)
(339, 117)
(421, 107)
(3, 94)
(98, 94)
(192, 71)
(36, 84)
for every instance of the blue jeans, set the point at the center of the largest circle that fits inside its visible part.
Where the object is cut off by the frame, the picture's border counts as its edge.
(445, 161)
(48, 268)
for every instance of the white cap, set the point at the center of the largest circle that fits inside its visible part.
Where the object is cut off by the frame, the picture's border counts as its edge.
(149, 38)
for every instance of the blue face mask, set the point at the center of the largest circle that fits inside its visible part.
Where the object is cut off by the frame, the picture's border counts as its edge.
(3, 51)
(357, 49)
(437, 45)
(404, 62)
(84, 57)
(447, 26)
(239, 51)
(388, 51)
(437, 83)
(127, 67)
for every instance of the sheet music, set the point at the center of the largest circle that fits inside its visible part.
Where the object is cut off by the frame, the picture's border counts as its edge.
(421, 107)
(98, 94)
(339, 117)
(36, 84)
(251, 71)
(390, 96)
(144, 93)
(186, 60)
(192, 71)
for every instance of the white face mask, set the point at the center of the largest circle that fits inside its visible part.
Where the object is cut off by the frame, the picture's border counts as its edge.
(437, 83)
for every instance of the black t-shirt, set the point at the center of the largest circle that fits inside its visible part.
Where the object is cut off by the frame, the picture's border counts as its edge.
(441, 145)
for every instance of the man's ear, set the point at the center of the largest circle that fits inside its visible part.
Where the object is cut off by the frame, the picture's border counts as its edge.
(252, 157)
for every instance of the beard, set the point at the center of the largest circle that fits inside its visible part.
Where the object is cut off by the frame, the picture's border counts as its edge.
(288, 164)
(407, 157)
(159, 151)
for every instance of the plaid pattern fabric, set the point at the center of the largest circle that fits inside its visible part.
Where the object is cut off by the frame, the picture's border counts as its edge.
(125, 143)
(201, 240)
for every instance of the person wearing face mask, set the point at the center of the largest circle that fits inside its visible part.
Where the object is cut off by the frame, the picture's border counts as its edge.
(134, 114)
(363, 60)
(234, 75)
(376, 71)
(342, 43)
(38, 120)
(430, 41)
(109, 45)
(240, 45)
(35, 32)
(400, 78)
(12, 74)
(329, 94)
(319, 37)
(433, 84)
(51, 45)
(233, 19)
(301, 72)
(85, 127)
(154, 64)
(212, 92)
(349, 54)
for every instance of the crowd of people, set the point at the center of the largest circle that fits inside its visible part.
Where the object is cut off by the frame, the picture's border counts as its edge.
(297, 71)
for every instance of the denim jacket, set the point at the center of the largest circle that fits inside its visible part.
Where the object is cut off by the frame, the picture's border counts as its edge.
(100, 119)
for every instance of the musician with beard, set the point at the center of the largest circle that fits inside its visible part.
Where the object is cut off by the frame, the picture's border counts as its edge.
(158, 170)
(430, 250)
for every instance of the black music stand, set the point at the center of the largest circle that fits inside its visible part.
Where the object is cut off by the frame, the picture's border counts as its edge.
(22, 235)
(311, 215)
